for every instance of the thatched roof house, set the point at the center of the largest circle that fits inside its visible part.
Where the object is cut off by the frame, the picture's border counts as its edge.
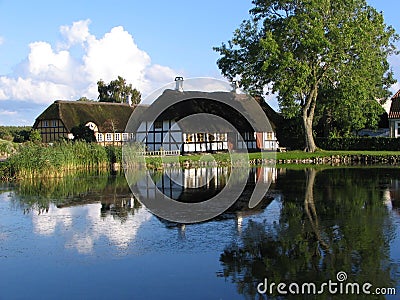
(194, 121)
(112, 122)
(103, 118)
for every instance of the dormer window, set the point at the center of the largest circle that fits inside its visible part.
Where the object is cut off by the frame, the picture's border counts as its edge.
(92, 126)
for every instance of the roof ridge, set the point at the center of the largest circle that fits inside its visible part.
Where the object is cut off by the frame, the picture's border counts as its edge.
(396, 95)
(89, 102)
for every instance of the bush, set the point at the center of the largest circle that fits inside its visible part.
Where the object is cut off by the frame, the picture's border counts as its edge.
(359, 143)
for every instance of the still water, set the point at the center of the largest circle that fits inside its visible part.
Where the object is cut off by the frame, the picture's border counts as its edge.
(87, 237)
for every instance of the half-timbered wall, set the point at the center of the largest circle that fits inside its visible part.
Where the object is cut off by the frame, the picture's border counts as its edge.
(162, 134)
(52, 130)
(260, 140)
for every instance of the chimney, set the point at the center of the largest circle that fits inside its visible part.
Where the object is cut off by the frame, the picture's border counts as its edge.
(235, 87)
(179, 84)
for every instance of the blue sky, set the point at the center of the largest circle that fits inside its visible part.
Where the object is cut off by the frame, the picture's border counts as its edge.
(53, 50)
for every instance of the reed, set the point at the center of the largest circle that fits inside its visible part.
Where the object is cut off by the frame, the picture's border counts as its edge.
(40, 160)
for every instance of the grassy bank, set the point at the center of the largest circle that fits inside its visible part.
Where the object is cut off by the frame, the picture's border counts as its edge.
(293, 157)
(299, 155)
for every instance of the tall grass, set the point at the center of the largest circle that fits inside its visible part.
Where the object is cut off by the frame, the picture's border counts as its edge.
(39, 160)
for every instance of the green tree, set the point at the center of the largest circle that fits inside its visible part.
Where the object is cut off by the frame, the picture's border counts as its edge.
(84, 99)
(83, 133)
(299, 48)
(35, 136)
(117, 91)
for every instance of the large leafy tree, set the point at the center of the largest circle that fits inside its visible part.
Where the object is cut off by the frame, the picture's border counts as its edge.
(117, 91)
(298, 48)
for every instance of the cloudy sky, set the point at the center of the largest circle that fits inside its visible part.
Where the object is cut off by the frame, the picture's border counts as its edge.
(53, 50)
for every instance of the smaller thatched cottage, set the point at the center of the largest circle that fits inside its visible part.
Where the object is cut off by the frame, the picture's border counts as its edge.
(107, 120)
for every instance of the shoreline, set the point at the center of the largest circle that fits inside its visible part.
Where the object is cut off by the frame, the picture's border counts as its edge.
(331, 158)
(293, 158)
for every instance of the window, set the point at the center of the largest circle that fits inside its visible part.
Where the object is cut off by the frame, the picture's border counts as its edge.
(125, 137)
(109, 137)
(398, 128)
(211, 137)
(200, 137)
(269, 135)
(99, 137)
(189, 138)
(118, 137)
(45, 123)
(54, 123)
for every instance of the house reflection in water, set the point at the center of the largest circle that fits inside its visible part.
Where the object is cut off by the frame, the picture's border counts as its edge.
(197, 184)
(201, 184)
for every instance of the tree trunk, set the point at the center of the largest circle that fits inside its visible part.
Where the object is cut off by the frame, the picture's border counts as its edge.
(308, 132)
(308, 118)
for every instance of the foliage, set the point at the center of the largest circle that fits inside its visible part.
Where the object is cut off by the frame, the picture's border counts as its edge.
(35, 136)
(16, 134)
(305, 50)
(342, 118)
(83, 133)
(85, 99)
(117, 91)
(359, 143)
(7, 147)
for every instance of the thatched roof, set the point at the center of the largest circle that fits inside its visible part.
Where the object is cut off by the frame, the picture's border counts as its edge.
(74, 113)
(394, 112)
(238, 109)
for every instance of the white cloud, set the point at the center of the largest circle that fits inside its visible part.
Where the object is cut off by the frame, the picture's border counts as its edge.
(116, 54)
(4, 112)
(78, 33)
(28, 89)
(161, 74)
(51, 73)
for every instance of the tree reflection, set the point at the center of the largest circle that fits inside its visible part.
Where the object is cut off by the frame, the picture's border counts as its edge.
(340, 224)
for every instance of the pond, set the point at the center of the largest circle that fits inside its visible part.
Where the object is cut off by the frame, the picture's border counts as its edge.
(87, 236)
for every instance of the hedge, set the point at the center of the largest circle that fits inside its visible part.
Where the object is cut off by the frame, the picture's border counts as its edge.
(359, 143)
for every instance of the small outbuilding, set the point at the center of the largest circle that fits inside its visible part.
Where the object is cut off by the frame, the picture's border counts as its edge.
(394, 116)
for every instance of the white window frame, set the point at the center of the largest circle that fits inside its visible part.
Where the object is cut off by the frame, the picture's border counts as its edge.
(117, 137)
(99, 137)
(109, 137)
(125, 136)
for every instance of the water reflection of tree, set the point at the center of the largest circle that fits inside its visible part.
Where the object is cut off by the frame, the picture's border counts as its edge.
(340, 224)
